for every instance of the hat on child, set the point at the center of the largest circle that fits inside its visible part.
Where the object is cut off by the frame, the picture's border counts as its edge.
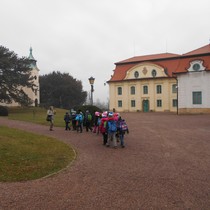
(97, 114)
(110, 114)
(104, 114)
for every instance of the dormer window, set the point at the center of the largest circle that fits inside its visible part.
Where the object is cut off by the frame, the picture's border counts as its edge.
(196, 65)
(136, 74)
(154, 73)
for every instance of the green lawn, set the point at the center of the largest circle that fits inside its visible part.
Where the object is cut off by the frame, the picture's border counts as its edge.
(26, 156)
(36, 115)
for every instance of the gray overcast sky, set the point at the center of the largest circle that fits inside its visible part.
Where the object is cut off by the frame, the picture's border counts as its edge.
(86, 37)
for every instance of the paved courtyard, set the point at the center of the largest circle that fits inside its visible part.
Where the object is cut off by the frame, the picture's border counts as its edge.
(165, 165)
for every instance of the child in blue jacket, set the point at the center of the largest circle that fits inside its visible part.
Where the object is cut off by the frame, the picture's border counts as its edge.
(67, 121)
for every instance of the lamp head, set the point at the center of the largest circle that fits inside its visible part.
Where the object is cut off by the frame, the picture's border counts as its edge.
(91, 80)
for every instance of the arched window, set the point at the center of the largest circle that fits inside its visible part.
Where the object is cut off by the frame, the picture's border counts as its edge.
(133, 90)
(159, 89)
(119, 90)
(145, 89)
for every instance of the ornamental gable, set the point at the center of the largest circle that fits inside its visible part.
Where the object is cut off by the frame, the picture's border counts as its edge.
(146, 70)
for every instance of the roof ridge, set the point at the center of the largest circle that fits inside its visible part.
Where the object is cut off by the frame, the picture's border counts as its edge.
(149, 57)
(196, 50)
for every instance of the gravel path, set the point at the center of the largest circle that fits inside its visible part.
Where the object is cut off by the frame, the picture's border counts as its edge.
(165, 165)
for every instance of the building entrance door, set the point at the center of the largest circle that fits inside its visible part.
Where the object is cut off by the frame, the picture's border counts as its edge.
(145, 105)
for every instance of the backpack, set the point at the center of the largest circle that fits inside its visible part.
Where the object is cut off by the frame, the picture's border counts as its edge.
(105, 124)
(123, 126)
(89, 117)
(80, 118)
(112, 126)
(99, 121)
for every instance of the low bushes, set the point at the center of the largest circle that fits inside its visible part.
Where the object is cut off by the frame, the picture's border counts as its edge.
(3, 111)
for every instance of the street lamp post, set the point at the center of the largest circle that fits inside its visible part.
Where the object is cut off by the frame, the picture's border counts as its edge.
(91, 81)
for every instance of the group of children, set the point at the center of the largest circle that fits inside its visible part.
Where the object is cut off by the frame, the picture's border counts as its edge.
(109, 124)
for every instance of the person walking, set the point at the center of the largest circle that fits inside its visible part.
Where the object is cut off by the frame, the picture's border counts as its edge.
(112, 129)
(121, 129)
(103, 127)
(79, 122)
(67, 121)
(50, 116)
(73, 120)
(96, 122)
(88, 121)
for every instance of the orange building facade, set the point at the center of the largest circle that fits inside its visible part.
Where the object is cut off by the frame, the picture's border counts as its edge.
(162, 82)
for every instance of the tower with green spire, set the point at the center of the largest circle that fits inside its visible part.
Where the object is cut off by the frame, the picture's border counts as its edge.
(31, 58)
(35, 94)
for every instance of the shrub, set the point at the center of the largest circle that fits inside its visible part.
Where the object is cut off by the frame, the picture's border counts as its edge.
(3, 111)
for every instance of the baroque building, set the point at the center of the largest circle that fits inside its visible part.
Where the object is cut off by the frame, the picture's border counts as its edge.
(162, 82)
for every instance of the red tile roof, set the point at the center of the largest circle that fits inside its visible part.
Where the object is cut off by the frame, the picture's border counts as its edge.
(202, 50)
(120, 72)
(149, 57)
(184, 64)
(174, 63)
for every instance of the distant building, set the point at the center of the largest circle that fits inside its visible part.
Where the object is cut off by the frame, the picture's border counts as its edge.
(162, 82)
(193, 76)
(33, 94)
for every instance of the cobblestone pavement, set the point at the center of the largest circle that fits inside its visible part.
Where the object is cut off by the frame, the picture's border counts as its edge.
(165, 165)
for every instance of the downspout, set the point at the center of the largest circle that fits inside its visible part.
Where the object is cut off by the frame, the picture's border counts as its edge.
(177, 97)
(177, 94)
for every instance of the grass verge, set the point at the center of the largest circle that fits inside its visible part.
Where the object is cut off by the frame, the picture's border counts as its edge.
(26, 156)
(36, 115)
